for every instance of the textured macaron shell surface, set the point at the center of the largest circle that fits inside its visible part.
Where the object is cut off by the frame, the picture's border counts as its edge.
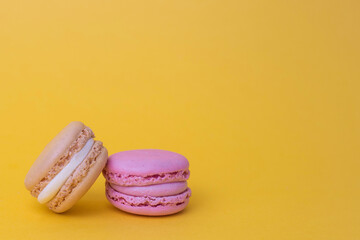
(146, 162)
(146, 167)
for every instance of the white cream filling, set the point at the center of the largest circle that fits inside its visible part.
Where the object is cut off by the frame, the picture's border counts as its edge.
(58, 181)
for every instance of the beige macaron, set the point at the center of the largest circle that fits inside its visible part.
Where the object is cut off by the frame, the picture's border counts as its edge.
(67, 167)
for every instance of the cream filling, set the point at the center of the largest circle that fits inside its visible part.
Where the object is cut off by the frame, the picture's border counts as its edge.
(58, 181)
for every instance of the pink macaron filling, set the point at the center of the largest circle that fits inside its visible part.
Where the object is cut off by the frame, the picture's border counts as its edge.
(149, 201)
(157, 190)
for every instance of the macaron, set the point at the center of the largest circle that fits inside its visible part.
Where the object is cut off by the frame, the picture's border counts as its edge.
(147, 182)
(66, 168)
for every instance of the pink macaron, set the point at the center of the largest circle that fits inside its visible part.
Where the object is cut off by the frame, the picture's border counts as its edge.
(147, 182)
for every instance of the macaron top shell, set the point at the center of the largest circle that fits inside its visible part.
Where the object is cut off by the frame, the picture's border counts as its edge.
(146, 162)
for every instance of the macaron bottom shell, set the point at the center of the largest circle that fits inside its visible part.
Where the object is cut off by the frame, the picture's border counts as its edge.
(148, 205)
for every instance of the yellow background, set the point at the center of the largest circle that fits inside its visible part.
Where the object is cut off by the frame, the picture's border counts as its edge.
(262, 97)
